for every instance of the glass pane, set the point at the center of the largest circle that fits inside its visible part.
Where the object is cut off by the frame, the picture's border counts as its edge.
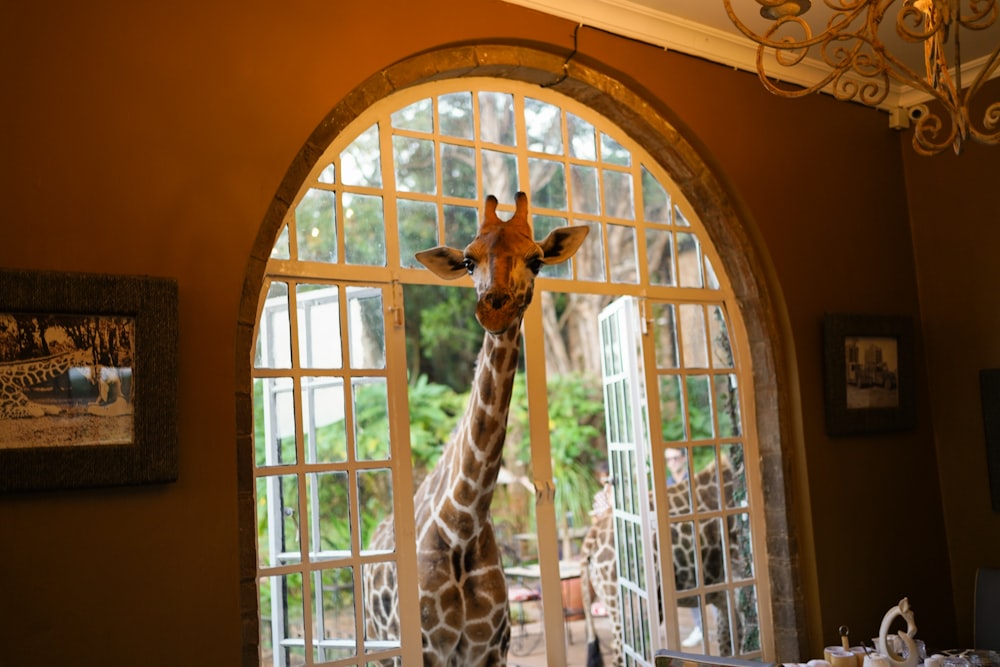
(366, 327)
(458, 171)
(660, 257)
(685, 566)
(679, 218)
(543, 126)
(711, 280)
(583, 180)
(678, 486)
(700, 407)
(736, 488)
(413, 160)
(693, 336)
(727, 403)
(619, 200)
(281, 247)
(689, 618)
(496, 118)
(500, 175)
(706, 478)
(665, 334)
(712, 560)
(316, 226)
(722, 350)
(323, 425)
(718, 631)
(274, 422)
(415, 117)
(329, 503)
(613, 152)
(582, 142)
(360, 163)
(334, 619)
(378, 578)
(371, 419)
(278, 520)
(318, 312)
(364, 230)
(418, 229)
(266, 617)
(548, 183)
(655, 199)
(274, 347)
(689, 260)
(328, 175)
(622, 254)
(746, 611)
(741, 546)
(671, 408)
(542, 225)
(282, 617)
(460, 225)
(589, 259)
(455, 115)
(375, 504)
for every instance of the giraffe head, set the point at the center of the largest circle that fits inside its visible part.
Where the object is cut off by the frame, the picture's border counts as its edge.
(503, 261)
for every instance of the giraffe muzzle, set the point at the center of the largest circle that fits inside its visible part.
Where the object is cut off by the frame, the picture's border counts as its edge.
(498, 311)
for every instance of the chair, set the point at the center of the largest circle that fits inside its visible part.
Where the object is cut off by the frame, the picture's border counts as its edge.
(986, 610)
(665, 658)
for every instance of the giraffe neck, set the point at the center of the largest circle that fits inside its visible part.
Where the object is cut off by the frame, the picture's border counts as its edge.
(465, 478)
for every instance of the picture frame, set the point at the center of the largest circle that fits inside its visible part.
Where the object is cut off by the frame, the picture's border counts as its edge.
(868, 374)
(88, 380)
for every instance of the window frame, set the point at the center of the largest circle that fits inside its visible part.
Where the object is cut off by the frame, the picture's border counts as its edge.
(602, 93)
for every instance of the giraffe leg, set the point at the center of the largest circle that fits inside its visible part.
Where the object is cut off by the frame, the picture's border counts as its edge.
(594, 657)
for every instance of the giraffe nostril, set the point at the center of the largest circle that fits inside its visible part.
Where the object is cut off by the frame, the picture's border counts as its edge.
(497, 300)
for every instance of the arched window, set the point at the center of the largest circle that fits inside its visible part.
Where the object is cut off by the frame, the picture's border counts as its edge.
(638, 341)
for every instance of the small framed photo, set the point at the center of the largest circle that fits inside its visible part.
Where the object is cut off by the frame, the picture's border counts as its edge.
(88, 380)
(868, 364)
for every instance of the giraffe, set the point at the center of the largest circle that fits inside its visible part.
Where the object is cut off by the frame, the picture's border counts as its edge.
(599, 570)
(16, 376)
(464, 611)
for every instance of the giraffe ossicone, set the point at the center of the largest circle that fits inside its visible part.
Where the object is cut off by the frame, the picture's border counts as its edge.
(464, 613)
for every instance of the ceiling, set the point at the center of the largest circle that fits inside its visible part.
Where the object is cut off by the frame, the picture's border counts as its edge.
(701, 28)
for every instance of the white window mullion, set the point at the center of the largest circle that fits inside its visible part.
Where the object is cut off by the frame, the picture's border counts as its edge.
(546, 524)
(399, 431)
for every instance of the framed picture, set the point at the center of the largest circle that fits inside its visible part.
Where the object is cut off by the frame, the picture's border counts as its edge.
(868, 364)
(88, 380)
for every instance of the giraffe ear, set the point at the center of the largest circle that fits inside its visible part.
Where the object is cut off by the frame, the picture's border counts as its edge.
(444, 262)
(562, 242)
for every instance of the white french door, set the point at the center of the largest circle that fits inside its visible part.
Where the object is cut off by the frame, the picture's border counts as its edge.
(629, 465)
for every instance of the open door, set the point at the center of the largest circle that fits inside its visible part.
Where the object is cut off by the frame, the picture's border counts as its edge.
(630, 469)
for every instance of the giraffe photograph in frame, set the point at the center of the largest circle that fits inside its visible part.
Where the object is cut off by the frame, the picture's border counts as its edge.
(88, 380)
(868, 364)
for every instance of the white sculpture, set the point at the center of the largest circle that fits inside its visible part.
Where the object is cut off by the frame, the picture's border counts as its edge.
(886, 649)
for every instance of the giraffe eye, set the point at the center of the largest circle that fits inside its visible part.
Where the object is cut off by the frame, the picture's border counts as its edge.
(469, 265)
(535, 264)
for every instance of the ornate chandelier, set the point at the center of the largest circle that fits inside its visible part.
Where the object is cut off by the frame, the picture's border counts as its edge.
(861, 66)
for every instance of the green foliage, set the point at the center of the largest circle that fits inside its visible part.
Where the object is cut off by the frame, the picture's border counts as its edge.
(435, 410)
(576, 437)
(442, 335)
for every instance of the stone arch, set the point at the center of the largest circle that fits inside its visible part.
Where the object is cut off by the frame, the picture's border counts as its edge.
(649, 122)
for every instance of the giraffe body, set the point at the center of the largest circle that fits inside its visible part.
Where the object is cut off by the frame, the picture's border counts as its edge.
(16, 376)
(599, 571)
(463, 594)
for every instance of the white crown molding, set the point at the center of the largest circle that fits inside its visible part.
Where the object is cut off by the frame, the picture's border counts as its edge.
(732, 49)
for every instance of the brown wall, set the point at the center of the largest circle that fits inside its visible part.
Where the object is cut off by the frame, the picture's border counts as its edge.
(151, 140)
(955, 214)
